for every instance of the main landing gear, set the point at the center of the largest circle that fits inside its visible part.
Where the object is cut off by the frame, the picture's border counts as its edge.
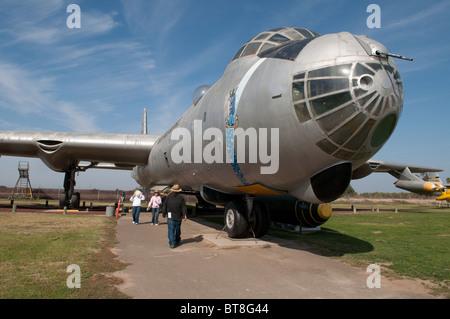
(247, 217)
(70, 199)
(244, 215)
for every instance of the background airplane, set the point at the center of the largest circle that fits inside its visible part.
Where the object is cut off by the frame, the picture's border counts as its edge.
(293, 117)
(428, 184)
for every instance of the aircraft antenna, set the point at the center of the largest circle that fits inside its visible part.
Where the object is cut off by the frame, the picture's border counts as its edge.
(23, 186)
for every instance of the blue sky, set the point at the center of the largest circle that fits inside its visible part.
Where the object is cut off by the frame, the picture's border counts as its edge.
(128, 55)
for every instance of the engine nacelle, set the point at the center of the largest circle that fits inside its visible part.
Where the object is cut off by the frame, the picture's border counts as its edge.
(288, 209)
(141, 175)
(327, 185)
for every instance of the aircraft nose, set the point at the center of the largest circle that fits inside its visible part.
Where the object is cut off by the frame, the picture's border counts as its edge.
(356, 103)
(379, 90)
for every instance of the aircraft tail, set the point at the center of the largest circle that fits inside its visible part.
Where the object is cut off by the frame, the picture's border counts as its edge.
(445, 195)
(144, 122)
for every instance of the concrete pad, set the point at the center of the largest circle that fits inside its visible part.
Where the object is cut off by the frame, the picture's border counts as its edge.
(221, 240)
(207, 265)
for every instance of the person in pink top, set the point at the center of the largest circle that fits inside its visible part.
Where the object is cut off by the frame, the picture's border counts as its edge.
(154, 204)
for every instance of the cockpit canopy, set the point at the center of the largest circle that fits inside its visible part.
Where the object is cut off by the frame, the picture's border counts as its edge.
(271, 39)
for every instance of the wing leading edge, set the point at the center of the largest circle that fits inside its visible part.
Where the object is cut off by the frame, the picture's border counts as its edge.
(393, 168)
(61, 150)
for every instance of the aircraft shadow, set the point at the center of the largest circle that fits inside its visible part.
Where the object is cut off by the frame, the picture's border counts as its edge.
(326, 242)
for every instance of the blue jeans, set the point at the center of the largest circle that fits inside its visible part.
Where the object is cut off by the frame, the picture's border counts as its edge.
(155, 212)
(135, 214)
(174, 231)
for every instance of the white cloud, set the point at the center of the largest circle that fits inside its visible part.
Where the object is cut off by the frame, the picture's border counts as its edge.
(31, 21)
(432, 10)
(6, 124)
(30, 11)
(39, 35)
(44, 22)
(95, 23)
(22, 91)
(30, 96)
(76, 118)
(153, 19)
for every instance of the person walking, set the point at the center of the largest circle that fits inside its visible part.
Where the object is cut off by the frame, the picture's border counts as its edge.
(174, 208)
(137, 198)
(154, 204)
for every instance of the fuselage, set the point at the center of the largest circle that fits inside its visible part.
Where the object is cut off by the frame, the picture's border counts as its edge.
(293, 113)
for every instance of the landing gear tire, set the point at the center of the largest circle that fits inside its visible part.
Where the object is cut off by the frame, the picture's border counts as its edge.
(75, 201)
(62, 201)
(236, 224)
(261, 219)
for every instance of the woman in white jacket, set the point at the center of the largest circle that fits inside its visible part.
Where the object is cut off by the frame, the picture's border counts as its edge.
(137, 198)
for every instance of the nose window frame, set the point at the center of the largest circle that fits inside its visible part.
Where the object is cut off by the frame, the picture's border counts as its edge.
(355, 117)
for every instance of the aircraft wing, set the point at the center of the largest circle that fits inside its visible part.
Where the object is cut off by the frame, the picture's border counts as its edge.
(60, 151)
(382, 166)
(404, 174)
(393, 168)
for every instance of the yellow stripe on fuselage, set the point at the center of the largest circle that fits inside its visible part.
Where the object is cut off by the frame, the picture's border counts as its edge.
(258, 189)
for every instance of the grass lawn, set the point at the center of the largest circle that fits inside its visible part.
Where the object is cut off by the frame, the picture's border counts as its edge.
(36, 250)
(415, 245)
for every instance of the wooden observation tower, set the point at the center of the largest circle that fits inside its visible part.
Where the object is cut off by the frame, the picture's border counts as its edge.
(23, 186)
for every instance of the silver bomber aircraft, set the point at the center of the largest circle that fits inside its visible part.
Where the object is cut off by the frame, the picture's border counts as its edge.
(293, 116)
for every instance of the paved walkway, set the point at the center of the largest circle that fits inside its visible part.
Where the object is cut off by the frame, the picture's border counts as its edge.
(208, 265)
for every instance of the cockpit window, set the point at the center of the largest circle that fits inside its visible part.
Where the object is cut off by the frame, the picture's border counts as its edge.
(274, 38)
(267, 46)
(238, 53)
(262, 36)
(278, 38)
(288, 51)
(332, 71)
(251, 48)
(306, 33)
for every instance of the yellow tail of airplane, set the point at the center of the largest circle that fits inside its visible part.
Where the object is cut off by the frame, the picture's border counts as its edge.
(445, 195)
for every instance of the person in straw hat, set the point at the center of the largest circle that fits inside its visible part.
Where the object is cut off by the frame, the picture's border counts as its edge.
(174, 208)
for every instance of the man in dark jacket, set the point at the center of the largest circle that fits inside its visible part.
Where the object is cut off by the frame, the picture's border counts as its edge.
(174, 209)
